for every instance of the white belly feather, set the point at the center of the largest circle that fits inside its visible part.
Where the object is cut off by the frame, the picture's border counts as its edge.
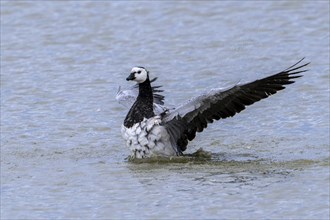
(148, 138)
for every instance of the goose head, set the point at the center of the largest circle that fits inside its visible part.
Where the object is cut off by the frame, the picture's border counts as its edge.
(138, 74)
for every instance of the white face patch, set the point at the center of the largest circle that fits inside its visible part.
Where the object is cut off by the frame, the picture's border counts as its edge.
(140, 74)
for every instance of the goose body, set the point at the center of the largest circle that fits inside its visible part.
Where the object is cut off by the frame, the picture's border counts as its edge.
(148, 138)
(151, 129)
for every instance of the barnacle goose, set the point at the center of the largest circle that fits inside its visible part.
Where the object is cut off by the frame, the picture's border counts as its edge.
(151, 129)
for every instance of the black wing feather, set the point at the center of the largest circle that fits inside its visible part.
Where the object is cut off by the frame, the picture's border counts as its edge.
(224, 104)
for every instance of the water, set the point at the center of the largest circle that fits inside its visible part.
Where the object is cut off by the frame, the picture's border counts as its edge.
(62, 155)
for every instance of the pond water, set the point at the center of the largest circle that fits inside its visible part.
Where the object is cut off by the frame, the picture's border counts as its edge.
(62, 155)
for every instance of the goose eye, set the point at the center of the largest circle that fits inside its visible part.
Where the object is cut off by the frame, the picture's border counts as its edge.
(139, 71)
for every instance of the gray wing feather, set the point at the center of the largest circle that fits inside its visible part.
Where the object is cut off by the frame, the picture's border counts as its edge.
(195, 114)
(127, 97)
(198, 104)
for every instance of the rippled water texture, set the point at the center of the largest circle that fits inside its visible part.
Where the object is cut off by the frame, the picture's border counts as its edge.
(62, 155)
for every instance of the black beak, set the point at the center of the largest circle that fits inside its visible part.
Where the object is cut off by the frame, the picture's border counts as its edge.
(131, 77)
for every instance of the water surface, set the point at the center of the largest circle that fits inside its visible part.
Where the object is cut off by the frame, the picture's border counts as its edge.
(62, 155)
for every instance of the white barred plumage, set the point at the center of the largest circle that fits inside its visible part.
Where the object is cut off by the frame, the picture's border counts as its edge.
(148, 138)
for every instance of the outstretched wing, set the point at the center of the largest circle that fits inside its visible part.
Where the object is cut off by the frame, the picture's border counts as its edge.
(193, 116)
(127, 97)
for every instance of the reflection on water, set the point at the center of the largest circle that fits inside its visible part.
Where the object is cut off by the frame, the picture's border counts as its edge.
(62, 155)
(224, 163)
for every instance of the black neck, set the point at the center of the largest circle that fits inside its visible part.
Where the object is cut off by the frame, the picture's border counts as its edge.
(143, 106)
(145, 90)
